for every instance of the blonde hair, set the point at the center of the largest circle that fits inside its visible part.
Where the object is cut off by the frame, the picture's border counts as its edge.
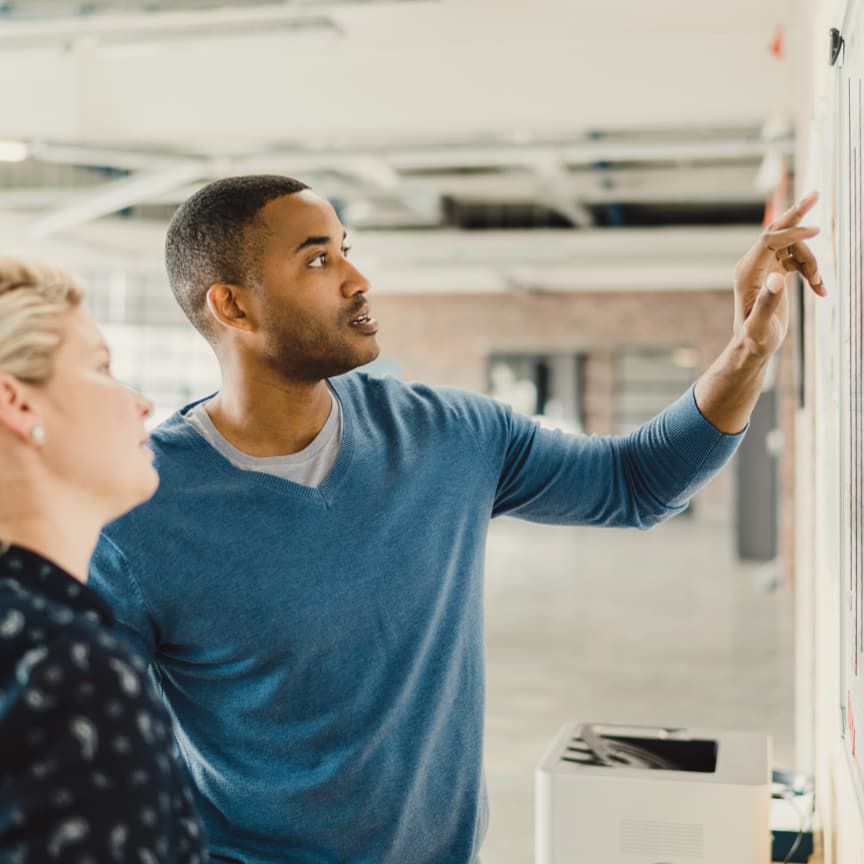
(33, 299)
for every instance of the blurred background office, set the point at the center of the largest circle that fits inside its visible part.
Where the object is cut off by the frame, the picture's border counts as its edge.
(549, 199)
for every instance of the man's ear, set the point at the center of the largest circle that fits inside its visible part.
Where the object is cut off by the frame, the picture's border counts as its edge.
(229, 305)
(17, 413)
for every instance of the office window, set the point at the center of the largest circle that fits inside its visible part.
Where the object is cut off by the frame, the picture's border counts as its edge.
(546, 386)
(649, 379)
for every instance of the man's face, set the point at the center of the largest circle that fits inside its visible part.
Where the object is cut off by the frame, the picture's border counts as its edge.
(312, 308)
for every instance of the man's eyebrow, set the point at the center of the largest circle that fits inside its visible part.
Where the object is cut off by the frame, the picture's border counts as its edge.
(319, 240)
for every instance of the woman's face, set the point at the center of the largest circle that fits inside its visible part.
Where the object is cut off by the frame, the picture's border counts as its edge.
(94, 425)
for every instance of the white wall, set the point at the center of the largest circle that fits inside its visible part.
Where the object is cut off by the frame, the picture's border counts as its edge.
(818, 578)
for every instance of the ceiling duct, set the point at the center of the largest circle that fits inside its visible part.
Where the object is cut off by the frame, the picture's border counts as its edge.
(53, 10)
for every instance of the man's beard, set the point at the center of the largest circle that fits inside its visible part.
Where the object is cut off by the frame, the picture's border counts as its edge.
(304, 350)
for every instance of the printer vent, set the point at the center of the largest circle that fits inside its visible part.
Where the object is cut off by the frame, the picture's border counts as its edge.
(665, 839)
(579, 752)
(648, 752)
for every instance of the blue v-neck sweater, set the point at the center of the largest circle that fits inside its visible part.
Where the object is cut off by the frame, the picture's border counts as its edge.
(321, 650)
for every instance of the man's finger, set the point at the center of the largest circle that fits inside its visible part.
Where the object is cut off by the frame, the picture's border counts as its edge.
(790, 265)
(796, 213)
(772, 241)
(806, 265)
(778, 238)
(797, 257)
(775, 284)
(767, 301)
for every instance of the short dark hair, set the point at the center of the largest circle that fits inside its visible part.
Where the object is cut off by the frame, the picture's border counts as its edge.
(209, 239)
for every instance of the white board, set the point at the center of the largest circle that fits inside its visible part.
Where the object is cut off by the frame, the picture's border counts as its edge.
(849, 226)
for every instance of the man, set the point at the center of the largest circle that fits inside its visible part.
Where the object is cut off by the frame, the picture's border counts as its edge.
(308, 579)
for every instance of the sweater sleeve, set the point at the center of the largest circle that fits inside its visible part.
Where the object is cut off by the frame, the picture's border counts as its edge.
(112, 577)
(633, 480)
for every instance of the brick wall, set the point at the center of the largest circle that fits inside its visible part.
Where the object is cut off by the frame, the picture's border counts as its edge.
(447, 339)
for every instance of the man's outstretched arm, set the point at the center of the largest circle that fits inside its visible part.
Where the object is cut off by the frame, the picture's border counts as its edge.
(643, 477)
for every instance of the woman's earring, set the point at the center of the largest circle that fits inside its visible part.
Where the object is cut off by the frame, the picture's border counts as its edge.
(37, 434)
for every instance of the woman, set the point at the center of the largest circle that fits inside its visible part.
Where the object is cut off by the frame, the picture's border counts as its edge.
(87, 765)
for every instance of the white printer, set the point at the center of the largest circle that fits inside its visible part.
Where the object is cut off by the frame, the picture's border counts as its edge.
(636, 795)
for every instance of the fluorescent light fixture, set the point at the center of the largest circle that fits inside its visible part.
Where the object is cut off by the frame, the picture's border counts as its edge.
(13, 151)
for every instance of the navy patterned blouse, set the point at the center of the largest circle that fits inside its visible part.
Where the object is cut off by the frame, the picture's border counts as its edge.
(88, 768)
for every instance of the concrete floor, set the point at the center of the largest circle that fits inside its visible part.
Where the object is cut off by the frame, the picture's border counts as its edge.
(663, 627)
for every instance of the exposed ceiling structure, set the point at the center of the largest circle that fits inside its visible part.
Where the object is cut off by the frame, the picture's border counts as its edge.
(67, 24)
(467, 131)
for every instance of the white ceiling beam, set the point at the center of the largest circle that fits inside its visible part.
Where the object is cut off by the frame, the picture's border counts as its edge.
(142, 244)
(381, 162)
(115, 196)
(93, 30)
(588, 152)
(88, 155)
(552, 188)
(715, 184)
(439, 262)
(702, 145)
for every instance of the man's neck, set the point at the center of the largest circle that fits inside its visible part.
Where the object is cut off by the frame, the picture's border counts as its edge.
(265, 416)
